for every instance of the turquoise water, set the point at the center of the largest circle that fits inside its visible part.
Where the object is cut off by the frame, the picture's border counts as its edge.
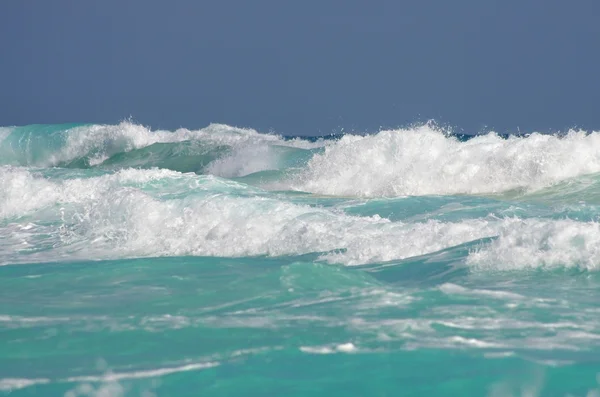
(225, 262)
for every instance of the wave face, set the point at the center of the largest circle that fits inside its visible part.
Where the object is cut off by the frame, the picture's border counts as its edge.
(181, 257)
(131, 145)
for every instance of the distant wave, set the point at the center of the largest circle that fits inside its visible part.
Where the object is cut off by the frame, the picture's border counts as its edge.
(423, 160)
(239, 151)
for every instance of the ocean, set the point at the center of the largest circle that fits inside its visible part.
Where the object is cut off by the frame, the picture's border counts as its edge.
(229, 262)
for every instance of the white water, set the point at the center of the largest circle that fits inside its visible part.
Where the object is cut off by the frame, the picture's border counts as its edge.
(539, 243)
(104, 217)
(153, 212)
(424, 161)
(126, 214)
(417, 161)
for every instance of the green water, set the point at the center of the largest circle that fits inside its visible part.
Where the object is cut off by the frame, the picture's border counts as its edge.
(223, 262)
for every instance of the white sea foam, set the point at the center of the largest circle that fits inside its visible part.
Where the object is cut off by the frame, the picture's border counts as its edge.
(447, 327)
(424, 161)
(10, 384)
(330, 349)
(535, 243)
(108, 385)
(119, 215)
(22, 191)
(106, 216)
(151, 373)
(453, 289)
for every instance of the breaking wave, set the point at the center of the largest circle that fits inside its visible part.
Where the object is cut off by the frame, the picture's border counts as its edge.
(94, 191)
(139, 213)
(423, 160)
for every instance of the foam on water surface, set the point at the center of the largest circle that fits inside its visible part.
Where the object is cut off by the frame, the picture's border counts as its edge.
(425, 161)
(126, 214)
(224, 261)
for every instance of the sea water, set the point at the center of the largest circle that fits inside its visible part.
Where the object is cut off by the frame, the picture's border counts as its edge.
(228, 262)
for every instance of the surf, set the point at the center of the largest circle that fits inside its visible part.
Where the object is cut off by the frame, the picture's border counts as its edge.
(417, 161)
(193, 255)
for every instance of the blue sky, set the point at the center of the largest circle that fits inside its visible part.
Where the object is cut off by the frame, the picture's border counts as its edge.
(304, 67)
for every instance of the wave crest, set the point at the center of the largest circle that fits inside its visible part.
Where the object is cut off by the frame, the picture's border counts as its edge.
(240, 151)
(425, 161)
(410, 162)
